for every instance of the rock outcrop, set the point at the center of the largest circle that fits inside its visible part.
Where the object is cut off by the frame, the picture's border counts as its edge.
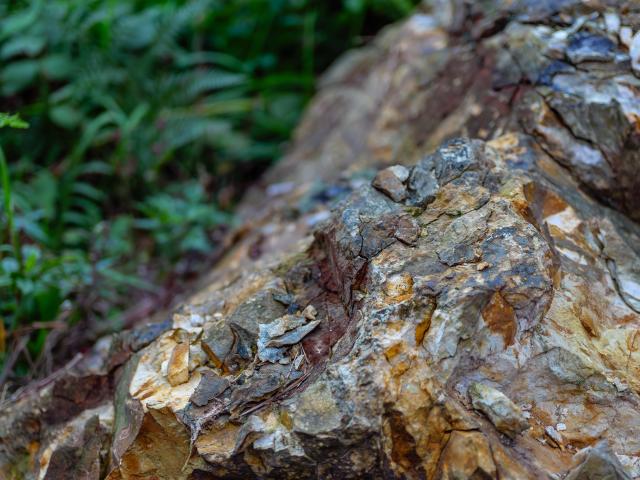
(440, 281)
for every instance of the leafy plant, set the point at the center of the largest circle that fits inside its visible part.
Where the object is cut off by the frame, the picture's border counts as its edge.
(12, 121)
(146, 118)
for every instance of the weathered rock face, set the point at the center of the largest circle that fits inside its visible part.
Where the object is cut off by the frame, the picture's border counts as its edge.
(470, 311)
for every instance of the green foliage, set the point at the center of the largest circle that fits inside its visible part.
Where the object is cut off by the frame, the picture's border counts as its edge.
(12, 121)
(141, 112)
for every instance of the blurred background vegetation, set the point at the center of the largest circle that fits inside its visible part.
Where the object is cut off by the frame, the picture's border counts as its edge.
(140, 124)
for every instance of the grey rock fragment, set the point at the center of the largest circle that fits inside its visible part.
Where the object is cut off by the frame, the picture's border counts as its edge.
(454, 158)
(423, 183)
(612, 22)
(408, 230)
(536, 10)
(283, 298)
(448, 164)
(217, 342)
(211, 386)
(505, 415)
(282, 332)
(400, 171)
(81, 454)
(585, 160)
(227, 345)
(142, 336)
(626, 36)
(623, 263)
(260, 309)
(590, 48)
(554, 434)
(597, 463)
(243, 343)
(603, 124)
(634, 52)
(270, 354)
(293, 336)
(280, 326)
(528, 45)
(267, 380)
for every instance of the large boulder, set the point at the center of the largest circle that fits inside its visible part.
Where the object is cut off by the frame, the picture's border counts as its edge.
(441, 280)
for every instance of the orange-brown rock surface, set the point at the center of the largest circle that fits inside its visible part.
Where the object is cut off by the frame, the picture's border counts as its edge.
(441, 280)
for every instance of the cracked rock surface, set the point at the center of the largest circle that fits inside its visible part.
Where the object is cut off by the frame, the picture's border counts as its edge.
(441, 280)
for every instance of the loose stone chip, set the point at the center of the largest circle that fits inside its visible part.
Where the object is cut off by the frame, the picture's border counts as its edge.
(390, 181)
(282, 332)
(211, 386)
(597, 462)
(553, 434)
(503, 413)
(217, 342)
(310, 312)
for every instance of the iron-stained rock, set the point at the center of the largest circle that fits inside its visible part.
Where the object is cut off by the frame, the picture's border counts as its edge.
(178, 366)
(498, 279)
(391, 182)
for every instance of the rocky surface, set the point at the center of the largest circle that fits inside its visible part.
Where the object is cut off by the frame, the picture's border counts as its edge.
(503, 413)
(440, 281)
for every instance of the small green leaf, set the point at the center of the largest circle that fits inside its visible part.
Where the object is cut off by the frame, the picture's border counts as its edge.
(18, 75)
(37, 344)
(65, 116)
(49, 301)
(20, 21)
(12, 121)
(29, 46)
(88, 191)
(57, 67)
(31, 256)
(354, 6)
(9, 265)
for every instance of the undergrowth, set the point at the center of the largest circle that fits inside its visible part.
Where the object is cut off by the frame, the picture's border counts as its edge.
(146, 119)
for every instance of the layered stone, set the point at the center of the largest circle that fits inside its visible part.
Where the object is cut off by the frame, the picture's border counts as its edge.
(469, 310)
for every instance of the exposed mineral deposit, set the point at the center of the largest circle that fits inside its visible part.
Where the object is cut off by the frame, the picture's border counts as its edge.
(470, 311)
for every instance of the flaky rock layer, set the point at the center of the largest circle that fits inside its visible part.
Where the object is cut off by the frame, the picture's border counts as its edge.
(440, 281)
